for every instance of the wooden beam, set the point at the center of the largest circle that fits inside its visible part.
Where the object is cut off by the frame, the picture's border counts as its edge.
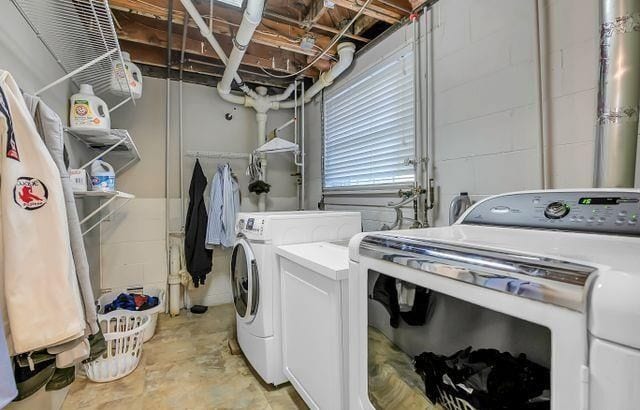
(372, 10)
(318, 26)
(155, 57)
(270, 33)
(135, 30)
(363, 23)
(316, 10)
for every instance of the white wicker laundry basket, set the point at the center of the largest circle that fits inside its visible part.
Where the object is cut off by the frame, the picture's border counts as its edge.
(153, 312)
(124, 333)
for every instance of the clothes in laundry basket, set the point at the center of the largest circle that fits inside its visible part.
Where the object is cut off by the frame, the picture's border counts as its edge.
(487, 378)
(132, 301)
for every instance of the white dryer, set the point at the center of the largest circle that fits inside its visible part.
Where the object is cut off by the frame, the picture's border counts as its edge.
(553, 274)
(255, 278)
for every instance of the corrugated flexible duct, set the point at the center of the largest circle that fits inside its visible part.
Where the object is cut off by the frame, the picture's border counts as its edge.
(618, 94)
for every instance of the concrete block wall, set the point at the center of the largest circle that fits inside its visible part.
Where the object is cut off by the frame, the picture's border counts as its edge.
(486, 120)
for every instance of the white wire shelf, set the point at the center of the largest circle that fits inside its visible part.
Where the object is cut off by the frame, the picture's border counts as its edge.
(117, 148)
(102, 212)
(81, 37)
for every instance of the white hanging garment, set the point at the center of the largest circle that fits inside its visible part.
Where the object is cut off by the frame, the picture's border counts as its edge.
(224, 204)
(41, 294)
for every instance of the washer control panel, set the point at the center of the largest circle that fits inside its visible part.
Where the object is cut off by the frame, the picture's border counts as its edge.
(598, 211)
(253, 225)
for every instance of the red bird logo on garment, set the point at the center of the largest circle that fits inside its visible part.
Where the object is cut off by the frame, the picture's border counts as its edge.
(30, 193)
(27, 196)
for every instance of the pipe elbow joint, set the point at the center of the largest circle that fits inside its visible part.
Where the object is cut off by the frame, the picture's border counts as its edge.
(223, 91)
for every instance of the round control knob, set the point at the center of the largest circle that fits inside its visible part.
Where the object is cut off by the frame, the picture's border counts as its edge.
(556, 210)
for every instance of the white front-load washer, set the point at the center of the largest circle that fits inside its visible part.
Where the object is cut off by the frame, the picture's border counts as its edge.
(255, 280)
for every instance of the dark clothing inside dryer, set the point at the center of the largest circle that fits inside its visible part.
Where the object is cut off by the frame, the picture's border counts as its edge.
(385, 292)
(486, 378)
(197, 256)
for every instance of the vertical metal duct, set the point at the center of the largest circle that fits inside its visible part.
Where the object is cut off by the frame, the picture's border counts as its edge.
(618, 93)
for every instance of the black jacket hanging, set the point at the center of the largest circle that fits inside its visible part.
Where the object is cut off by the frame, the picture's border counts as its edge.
(198, 257)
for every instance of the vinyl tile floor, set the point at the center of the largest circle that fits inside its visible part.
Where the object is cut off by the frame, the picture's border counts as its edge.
(186, 365)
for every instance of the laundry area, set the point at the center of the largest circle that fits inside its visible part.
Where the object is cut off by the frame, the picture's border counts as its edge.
(320, 204)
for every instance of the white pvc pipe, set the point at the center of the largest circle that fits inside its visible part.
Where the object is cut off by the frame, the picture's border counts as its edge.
(174, 280)
(345, 53)
(206, 33)
(261, 118)
(250, 20)
(285, 94)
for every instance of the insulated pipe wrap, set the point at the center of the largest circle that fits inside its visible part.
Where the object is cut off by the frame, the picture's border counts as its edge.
(618, 94)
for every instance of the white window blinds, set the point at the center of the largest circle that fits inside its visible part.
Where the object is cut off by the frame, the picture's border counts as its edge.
(369, 127)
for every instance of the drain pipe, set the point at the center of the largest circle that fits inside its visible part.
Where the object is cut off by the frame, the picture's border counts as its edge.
(208, 35)
(345, 54)
(618, 94)
(250, 20)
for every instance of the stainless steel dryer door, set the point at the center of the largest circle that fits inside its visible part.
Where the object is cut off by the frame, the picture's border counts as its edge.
(244, 280)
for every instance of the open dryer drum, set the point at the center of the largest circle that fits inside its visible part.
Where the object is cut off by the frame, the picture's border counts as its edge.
(244, 280)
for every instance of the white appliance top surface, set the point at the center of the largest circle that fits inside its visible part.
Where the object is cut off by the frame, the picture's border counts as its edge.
(293, 214)
(616, 252)
(328, 259)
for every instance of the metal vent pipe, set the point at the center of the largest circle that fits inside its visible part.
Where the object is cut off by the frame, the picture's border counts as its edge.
(618, 93)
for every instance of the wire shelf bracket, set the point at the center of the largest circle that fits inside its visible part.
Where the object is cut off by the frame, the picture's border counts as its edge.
(81, 37)
(110, 197)
(117, 148)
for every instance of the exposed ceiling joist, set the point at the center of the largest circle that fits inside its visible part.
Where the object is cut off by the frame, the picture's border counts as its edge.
(155, 57)
(317, 9)
(321, 27)
(373, 10)
(363, 23)
(140, 30)
(270, 33)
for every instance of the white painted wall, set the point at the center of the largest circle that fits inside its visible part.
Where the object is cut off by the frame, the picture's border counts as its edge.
(134, 248)
(486, 126)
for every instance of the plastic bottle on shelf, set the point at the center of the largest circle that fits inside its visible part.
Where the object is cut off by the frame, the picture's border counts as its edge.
(89, 115)
(103, 177)
(130, 75)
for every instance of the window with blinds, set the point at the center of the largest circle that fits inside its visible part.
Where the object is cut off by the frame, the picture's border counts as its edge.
(369, 128)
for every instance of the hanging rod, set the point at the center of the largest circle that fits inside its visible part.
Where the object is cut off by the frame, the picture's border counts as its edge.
(216, 154)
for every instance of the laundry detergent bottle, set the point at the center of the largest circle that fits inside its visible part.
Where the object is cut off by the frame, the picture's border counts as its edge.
(103, 177)
(89, 115)
(128, 75)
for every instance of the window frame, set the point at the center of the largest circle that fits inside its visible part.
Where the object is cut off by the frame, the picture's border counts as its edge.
(369, 188)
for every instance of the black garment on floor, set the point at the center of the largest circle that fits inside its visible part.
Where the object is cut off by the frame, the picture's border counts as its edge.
(385, 292)
(493, 380)
(198, 257)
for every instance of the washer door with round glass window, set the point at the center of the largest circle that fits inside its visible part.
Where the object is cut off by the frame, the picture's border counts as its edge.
(244, 280)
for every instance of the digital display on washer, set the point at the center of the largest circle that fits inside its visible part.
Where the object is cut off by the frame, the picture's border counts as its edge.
(599, 201)
(250, 224)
